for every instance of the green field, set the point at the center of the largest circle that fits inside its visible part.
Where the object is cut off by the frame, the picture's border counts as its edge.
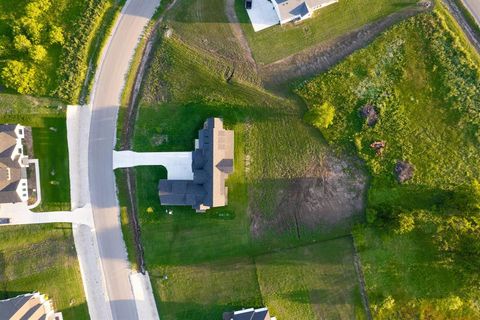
(417, 249)
(311, 282)
(278, 42)
(424, 82)
(42, 258)
(210, 259)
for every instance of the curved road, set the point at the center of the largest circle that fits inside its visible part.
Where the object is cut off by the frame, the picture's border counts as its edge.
(105, 101)
(474, 7)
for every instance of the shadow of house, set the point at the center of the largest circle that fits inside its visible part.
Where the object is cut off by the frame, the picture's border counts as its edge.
(212, 162)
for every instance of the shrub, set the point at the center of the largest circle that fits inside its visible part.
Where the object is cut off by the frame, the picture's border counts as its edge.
(406, 223)
(55, 36)
(18, 76)
(32, 27)
(371, 215)
(37, 53)
(321, 116)
(21, 43)
(4, 46)
(74, 58)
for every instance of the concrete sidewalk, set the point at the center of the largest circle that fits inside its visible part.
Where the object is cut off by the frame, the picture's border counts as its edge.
(18, 213)
(178, 164)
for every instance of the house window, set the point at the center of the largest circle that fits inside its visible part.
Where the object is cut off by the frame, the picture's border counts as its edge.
(24, 190)
(19, 150)
(20, 131)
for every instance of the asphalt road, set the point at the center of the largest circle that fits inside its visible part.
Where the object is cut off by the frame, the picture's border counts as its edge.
(474, 7)
(105, 101)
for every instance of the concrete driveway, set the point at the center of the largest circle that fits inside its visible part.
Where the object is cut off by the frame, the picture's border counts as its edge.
(262, 15)
(178, 164)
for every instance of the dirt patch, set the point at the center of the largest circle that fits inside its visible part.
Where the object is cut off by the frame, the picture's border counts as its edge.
(332, 196)
(238, 32)
(320, 58)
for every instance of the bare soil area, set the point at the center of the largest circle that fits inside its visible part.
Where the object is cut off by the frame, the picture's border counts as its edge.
(322, 57)
(331, 198)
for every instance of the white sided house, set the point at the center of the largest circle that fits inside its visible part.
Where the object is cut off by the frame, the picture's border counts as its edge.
(296, 10)
(13, 165)
(267, 13)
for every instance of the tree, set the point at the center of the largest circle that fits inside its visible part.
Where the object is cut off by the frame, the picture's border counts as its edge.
(35, 8)
(321, 116)
(406, 223)
(466, 198)
(21, 43)
(18, 76)
(31, 27)
(55, 36)
(37, 53)
(4, 46)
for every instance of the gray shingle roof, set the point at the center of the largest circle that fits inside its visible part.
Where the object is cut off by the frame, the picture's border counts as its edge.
(10, 170)
(212, 162)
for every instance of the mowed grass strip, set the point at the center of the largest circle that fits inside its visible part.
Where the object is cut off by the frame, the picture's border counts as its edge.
(328, 23)
(205, 291)
(42, 258)
(311, 282)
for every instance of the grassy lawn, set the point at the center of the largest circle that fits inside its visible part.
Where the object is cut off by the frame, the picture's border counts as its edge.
(311, 282)
(423, 81)
(209, 259)
(278, 42)
(42, 258)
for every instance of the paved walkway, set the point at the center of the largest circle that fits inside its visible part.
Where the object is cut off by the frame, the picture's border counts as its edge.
(37, 183)
(19, 213)
(178, 164)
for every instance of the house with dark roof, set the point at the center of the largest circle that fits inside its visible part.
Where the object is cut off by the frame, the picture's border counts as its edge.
(13, 164)
(31, 306)
(295, 10)
(212, 162)
(249, 314)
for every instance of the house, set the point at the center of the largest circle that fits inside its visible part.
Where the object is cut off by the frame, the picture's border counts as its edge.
(295, 10)
(212, 162)
(31, 306)
(249, 314)
(13, 165)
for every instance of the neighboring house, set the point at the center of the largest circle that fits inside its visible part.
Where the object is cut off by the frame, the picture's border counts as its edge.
(294, 10)
(13, 165)
(249, 314)
(212, 162)
(31, 306)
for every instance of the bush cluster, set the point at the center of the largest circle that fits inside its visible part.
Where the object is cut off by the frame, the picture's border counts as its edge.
(26, 48)
(75, 56)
